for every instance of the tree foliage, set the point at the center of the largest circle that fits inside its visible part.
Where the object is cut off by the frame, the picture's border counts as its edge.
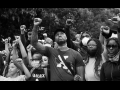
(85, 19)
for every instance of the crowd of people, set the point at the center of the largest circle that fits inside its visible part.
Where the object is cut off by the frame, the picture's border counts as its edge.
(62, 59)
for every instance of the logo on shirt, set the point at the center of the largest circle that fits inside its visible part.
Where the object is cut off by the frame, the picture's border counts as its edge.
(61, 64)
(65, 57)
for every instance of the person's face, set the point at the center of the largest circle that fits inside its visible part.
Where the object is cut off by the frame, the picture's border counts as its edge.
(112, 47)
(12, 69)
(44, 61)
(35, 61)
(60, 38)
(92, 45)
(92, 48)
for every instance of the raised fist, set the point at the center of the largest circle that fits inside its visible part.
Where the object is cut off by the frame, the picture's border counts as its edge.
(29, 48)
(22, 27)
(19, 60)
(5, 40)
(17, 39)
(37, 21)
(105, 29)
(69, 22)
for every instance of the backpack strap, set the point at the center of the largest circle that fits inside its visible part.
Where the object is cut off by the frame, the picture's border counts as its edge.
(67, 64)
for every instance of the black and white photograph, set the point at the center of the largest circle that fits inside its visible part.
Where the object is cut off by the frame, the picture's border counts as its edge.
(59, 44)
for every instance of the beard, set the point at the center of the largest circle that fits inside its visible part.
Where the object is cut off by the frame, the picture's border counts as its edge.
(92, 53)
(61, 43)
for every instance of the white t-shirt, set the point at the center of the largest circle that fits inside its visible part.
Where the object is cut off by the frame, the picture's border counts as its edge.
(19, 78)
(90, 72)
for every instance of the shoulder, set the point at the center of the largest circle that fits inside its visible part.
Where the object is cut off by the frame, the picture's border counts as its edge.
(74, 51)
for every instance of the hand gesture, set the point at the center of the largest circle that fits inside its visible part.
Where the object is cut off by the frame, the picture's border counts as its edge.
(69, 22)
(37, 21)
(6, 40)
(105, 29)
(22, 27)
(29, 48)
(77, 78)
(19, 60)
(17, 39)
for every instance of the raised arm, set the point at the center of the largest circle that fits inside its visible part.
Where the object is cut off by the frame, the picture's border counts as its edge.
(23, 39)
(15, 57)
(7, 50)
(26, 71)
(29, 48)
(69, 41)
(34, 40)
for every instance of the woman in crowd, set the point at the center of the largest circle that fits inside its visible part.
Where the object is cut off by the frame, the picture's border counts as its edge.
(110, 69)
(94, 60)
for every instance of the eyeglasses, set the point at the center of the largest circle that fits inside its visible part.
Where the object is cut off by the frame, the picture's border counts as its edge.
(113, 46)
(91, 45)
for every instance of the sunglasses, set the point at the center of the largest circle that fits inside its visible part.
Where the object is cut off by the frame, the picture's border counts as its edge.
(113, 46)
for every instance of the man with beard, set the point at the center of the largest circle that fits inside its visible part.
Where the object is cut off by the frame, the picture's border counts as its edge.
(65, 64)
(94, 60)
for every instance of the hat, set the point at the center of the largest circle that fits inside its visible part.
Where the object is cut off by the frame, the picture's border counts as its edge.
(59, 30)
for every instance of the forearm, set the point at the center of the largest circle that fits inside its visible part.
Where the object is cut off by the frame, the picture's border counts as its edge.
(68, 36)
(81, 72)
(34, 40)
(22, 49)
(18, 65)
(29, 58)
(6, 48)
(23, 39)
(101, 38)
(26, 71)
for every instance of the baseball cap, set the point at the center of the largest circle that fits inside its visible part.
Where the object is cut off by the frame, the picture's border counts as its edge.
(59, 30)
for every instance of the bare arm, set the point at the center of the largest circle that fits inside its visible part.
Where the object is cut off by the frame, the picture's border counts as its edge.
(29, 48)
(15, 57)
(34, 40)
(101, 38)
(81, 72)
(26, 71)
(23, 39)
